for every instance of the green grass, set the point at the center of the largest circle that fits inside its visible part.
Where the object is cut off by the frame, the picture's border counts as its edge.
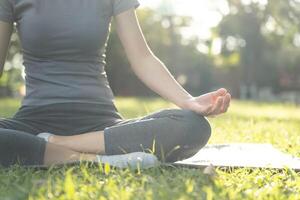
(278, 124)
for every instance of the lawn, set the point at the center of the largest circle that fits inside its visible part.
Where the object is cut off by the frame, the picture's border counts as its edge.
(278, 124)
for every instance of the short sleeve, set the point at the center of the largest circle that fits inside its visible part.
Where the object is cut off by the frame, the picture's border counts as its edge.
(6, 11)
(120, 6)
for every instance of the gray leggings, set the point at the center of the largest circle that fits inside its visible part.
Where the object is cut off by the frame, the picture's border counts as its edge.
(173, 134)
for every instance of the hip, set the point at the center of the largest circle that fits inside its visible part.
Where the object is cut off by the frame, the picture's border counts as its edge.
(68, 109)
(69, 118)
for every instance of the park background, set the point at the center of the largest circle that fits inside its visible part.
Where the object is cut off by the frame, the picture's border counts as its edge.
(250, 47)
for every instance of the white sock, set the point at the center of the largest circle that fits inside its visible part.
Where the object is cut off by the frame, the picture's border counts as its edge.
(132, 160)
(45, 136)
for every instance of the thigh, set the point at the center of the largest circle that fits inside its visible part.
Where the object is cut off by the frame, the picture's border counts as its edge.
(172, 113)
(172, 134)
(169, 112)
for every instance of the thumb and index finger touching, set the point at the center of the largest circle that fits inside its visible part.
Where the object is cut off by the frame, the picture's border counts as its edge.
(221, 100)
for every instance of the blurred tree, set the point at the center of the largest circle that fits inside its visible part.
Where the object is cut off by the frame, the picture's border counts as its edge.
(11, 80)
(259, 38)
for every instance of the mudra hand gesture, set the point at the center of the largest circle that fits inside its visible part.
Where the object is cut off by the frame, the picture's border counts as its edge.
(209, 104)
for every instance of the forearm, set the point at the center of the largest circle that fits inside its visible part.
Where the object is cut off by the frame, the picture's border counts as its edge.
(153, 73)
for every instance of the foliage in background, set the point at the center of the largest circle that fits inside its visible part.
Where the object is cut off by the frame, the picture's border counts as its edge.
(11, 79)
(260, 43)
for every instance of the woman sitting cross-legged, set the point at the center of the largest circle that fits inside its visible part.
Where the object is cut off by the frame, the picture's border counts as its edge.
(68, 113)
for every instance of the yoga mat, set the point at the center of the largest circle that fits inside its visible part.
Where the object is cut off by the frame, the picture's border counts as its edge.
(239, 155)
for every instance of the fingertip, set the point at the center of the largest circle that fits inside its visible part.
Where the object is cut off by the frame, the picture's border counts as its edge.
(227, 98)
(228, 95)
(222, 91)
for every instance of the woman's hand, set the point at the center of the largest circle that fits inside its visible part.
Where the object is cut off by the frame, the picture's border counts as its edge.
(210, 104)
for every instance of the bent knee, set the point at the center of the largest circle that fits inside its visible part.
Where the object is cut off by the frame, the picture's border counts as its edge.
(190, 131)
(198, 129)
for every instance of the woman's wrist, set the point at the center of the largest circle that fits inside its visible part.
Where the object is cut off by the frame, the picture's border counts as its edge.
(183, 102)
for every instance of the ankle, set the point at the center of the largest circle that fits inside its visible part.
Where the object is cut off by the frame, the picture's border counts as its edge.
(52, 139)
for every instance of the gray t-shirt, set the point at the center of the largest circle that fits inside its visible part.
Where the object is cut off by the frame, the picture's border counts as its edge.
(63, 45)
